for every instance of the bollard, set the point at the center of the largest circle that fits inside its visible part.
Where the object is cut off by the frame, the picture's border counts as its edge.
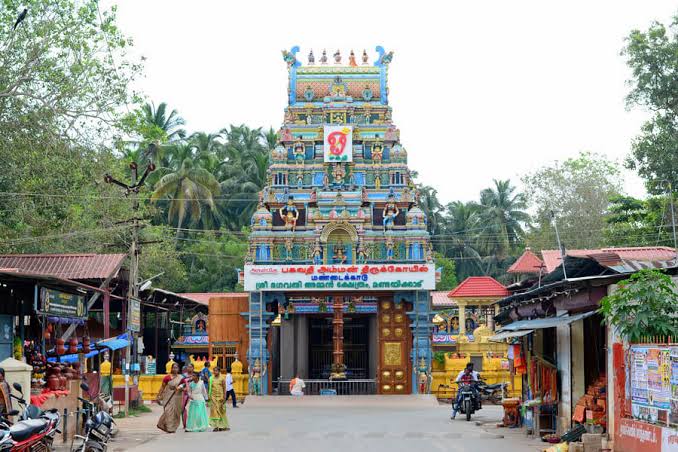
(64, 433)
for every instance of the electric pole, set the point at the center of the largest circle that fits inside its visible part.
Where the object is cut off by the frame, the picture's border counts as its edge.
(560, 246)
(133, 287)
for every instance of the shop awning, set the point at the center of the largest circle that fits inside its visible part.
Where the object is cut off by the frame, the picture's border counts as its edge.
(509, 334)
(548, 322)
(115, 343)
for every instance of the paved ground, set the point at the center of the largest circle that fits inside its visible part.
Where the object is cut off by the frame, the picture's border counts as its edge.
(333, 423)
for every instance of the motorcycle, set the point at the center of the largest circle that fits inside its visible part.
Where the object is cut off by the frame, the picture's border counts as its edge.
(467, 399)
(494, 392)
(35, 430)
(98, 426)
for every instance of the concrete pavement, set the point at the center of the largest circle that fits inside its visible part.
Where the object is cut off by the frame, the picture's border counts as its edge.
(371, 423)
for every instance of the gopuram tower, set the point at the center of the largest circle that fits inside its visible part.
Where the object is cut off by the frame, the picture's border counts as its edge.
(340, 265)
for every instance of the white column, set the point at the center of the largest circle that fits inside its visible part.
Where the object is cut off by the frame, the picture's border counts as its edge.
(564, 358)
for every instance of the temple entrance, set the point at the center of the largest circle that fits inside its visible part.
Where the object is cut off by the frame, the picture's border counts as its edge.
(356, 347)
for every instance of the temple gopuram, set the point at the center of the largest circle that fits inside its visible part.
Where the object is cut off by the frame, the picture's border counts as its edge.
(340, 263)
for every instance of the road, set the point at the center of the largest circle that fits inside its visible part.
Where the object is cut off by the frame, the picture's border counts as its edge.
(370, 423)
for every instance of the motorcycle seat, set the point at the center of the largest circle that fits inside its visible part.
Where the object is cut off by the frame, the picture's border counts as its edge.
(493, 386)
(23, 430)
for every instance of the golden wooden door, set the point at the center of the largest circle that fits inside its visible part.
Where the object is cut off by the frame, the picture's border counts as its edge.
(394, 375)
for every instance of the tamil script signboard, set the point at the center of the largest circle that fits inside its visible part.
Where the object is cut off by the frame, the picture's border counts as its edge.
(338, 144)
(361, 277)
(62, 304)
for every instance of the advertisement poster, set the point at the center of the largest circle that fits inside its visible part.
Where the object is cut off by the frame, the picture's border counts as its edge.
(338, 144)
(62, 304)
(639, 392)
(673, 415)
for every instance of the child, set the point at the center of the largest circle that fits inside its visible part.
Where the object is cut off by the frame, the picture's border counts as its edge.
(197, 420)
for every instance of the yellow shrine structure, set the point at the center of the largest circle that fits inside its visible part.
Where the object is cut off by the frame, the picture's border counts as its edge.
(464, 323)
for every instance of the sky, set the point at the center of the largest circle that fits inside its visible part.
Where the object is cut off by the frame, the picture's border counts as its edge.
(480, 90)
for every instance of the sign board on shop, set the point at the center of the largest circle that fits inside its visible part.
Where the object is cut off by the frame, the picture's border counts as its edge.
(360, 277)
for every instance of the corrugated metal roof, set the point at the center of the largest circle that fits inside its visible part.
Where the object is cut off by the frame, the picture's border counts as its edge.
(527, 263)
(608, 256)
(67, 266)
(548, 322)
(479, 287)
(440, 299)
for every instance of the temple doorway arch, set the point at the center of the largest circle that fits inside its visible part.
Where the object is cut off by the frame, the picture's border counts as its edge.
(339, 241)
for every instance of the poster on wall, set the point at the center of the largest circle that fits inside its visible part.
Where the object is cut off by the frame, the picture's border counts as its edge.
(673, 415)
(338, 144)
(654, 383)
(639, 392)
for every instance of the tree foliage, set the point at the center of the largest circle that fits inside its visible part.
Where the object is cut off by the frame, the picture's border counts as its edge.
(652, 56)
(578, 192)
(643, 306)
(448, 277)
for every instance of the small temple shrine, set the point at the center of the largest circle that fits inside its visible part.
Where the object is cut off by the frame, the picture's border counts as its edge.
(464, 326)
(340, 261)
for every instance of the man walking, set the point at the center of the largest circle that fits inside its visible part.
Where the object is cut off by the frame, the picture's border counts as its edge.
(230, 392)
(205, 375)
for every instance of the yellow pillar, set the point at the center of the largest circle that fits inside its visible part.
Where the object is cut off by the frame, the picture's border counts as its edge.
(462, 317)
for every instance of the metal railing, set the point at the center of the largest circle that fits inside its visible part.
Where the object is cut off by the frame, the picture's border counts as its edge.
(342, 387)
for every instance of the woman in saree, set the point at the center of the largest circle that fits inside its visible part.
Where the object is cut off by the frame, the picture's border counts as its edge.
(217, 398)
(171, 398)
(197, 421)
(188, 377)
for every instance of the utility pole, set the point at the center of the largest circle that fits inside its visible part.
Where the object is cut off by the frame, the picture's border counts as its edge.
(133, 287)
(560, 246)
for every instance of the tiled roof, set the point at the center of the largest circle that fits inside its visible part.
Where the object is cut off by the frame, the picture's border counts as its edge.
(528, 262)
(440, 299)
(204, 297)
(479, 287)
(641, 253)
(66, 266)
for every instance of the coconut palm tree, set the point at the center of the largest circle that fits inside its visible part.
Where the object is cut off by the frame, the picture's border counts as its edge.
(502, 211)
(187, 190)
(270, 139)
(459, 240)
(429, 203)
(158, 117)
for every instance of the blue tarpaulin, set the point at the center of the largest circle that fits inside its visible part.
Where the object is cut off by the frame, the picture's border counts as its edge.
(72, 358)
(115, 343)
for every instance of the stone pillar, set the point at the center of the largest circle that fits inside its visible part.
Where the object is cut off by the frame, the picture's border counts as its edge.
(258, 331)
(462, 317)
(338, 338)
(420, 317)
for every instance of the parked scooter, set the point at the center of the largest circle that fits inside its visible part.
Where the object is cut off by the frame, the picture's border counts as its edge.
(468, 399)
(494, 392)
(35, 430)
(98, 425)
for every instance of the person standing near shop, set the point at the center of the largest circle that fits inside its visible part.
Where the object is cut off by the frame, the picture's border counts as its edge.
(5, 391)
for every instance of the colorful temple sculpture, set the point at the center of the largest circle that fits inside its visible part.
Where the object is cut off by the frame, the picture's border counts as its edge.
(464, 326)
(339, 252)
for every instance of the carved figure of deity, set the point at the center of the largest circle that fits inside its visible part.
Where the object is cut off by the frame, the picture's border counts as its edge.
(326, 181)
(361, 254)
(351, 60)
(429, 253)
(299, 152)
(363, 195)
(377, 181)
(289, 214)
(323, 57)
(311, 58)
(338, 173)
(337, 57)
(390, 252)
(256, 374)
(390, 213)
(365, 63)
(314, 195)
(423, 377)
(317, 254)
(300, 180)
(339, 256)
(289, 249)
(377, 152)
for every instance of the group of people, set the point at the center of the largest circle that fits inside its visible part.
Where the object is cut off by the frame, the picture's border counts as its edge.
(185, 397)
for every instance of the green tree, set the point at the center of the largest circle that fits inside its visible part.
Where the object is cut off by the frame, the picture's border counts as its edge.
(652, 56)
(431, 206)
(187, 190)
(448, 277)
(578, 191)
(643, 306)
(170, 124)
(503, 215)
(643, 222)
(459, 239)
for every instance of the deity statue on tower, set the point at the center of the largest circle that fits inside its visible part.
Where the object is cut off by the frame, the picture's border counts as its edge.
(339, 256)
(289, 214)
(311, 58)
(351, 60)
(338, 173)
(299, 152)
(361, 254)
(390, 213)
(256, 373)
(365, 63)
(317, 254)
(337, 57)
(289, 249)
(377, 152)
(390, 252)
(323, 57)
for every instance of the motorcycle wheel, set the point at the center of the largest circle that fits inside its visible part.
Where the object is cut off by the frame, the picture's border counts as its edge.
(495, 398)
(467, 409)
